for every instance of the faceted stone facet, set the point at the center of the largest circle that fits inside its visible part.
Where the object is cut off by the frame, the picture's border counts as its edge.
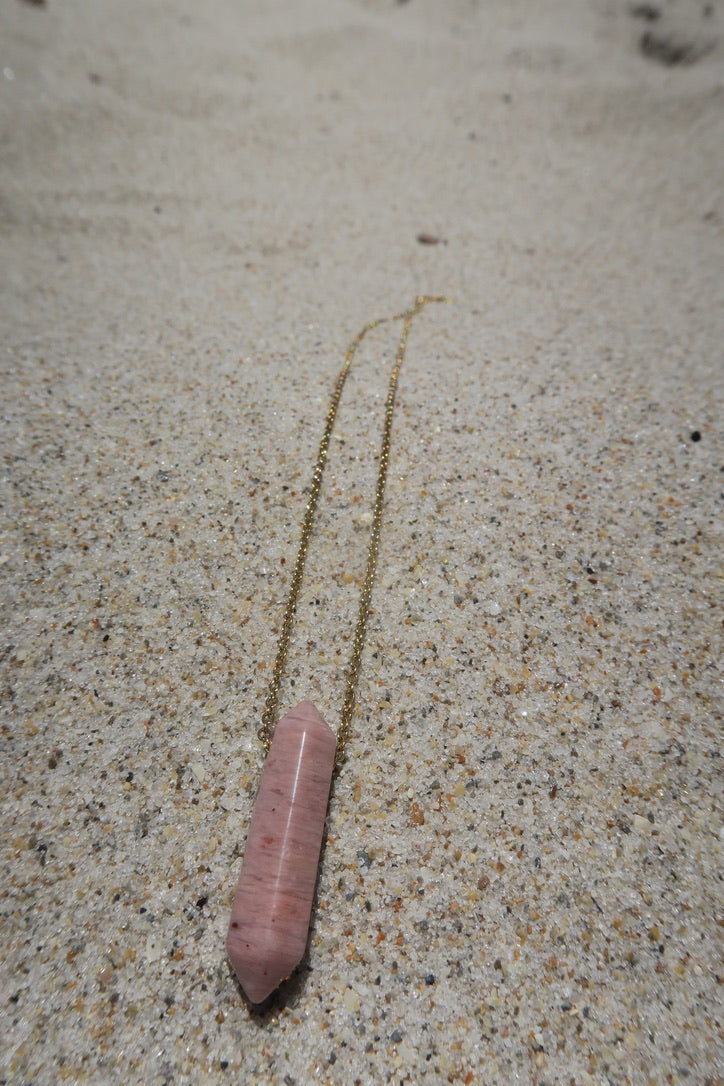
(273, 903)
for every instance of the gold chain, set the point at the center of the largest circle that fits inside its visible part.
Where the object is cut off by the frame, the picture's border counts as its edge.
(268, 718)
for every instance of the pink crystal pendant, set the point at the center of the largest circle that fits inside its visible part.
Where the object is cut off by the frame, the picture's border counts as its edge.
(273, 902)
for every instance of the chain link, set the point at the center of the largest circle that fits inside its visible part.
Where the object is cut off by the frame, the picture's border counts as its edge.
(268, 718)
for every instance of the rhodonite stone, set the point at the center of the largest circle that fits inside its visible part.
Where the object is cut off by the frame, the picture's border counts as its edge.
(273, 902)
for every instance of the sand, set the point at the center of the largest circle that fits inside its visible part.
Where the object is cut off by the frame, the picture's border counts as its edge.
(200, 205)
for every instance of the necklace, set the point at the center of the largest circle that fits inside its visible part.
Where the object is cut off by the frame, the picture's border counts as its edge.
(272, 906)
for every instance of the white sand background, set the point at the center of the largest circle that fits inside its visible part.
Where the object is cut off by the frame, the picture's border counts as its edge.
(200, 205)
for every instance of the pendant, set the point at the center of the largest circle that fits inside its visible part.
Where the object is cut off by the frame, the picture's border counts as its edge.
(273, 903)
